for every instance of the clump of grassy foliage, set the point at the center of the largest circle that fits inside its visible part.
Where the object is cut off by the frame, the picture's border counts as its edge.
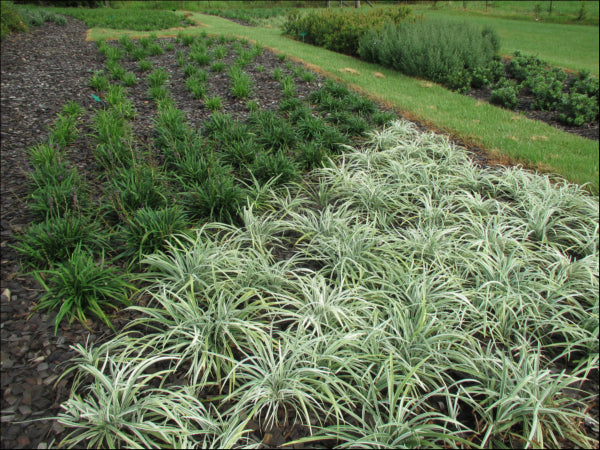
(79, 286)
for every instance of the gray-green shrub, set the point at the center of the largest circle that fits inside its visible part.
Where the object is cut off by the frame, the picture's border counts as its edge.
(433, 49)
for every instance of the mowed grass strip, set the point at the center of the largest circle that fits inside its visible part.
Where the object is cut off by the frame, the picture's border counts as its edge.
(508, 136)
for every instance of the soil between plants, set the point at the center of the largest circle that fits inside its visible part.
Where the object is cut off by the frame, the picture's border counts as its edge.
(41, 71)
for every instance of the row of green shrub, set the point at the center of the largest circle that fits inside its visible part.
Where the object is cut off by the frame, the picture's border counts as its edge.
(440, 51)
(553, 89)
(340, 31)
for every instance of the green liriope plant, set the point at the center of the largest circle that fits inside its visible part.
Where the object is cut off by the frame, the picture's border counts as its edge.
(220, 51)
(116, 96)
(194, 165)
(240, 151)
(214, 103)
(252, 105)
(274, 131)
(200, 57)
(310, 126)
(157, 77)
(180, 58)
(188, 39)
(56, 238)
(111, 53)
(257, 50)
(277, 75)
(127, 43)
(159, 94)
(215, 199)
(144, 42)
(311, 155)
(99, 81)
(80, 286)
(116, 70)
(291, 105)
(72, 109)
(217, 67)
(197, 88)
(241, 83)
(288, 87)
(45, 154)
(114, 137)
(129, 79)
(57, 193)
(137, 187)
(155, 49)
(64, 130)
(148, 230)
(218, 124)
(267, 166)
(171, 127)
(139, 53)
(144, 65)
(245, 57)
(189, 70)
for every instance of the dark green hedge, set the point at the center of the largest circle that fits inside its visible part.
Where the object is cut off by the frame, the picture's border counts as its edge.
(340, 30)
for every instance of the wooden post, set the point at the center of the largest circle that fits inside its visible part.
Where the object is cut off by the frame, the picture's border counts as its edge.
(357, 3)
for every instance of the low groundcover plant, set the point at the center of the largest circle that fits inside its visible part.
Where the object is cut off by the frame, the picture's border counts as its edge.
(401, 297)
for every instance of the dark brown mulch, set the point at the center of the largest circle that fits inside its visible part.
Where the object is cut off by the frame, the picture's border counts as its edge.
(41, 71)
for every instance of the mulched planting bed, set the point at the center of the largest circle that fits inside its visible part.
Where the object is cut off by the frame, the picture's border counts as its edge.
(41, 71)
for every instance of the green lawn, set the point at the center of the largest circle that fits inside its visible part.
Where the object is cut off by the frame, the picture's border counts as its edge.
(571, 46)
(562, 11)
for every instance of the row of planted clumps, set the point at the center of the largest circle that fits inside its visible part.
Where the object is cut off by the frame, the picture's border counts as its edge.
(184, 178)
(394, 295)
